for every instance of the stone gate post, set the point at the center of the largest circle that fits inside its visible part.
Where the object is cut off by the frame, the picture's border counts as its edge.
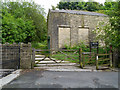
(25, 56)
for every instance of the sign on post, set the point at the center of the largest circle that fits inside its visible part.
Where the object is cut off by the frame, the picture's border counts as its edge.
(94, 45)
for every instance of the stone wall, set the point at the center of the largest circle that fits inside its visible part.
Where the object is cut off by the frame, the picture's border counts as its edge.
(56, 19)
(10, 56)
(53, 22)
(16, 56)
(25, 56)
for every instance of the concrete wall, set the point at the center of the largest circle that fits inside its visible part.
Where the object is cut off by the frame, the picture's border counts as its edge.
(56, 19)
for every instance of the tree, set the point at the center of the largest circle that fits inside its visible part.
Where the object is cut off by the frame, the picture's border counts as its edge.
(81, 5)
(0, 25)
(53, 7)
(110, 33)
(31, 15)
(16, 30)
(91, 5)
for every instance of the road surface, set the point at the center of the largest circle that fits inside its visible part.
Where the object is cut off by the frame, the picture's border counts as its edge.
(52, 79)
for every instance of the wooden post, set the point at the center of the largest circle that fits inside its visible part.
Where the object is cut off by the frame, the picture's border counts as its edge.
(96, 55)
(97, 48)
(50, 54)
(33, 59)
(90, 52)
(80, 57)
(110, 60)
(110, 56)
(83, 60)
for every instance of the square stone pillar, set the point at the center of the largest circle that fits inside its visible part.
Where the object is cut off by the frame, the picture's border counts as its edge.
(25, 56)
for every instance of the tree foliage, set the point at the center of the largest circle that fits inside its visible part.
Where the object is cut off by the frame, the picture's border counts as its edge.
(23, 22)
(16, 30)
(91, 5)
(110, 33)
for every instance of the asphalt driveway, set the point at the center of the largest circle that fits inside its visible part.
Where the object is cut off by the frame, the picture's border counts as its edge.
(52, 79)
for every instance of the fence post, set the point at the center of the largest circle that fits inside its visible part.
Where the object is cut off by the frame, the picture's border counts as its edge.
(33, 58)
(83, 60)
(110, 60)
(80, 57)
(50, 53)
(96, 55)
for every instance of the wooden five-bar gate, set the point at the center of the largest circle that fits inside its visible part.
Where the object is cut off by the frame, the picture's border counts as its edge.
(60, 54)
(77, 56)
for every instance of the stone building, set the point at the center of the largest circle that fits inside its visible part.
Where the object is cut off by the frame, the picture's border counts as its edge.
(69, 27)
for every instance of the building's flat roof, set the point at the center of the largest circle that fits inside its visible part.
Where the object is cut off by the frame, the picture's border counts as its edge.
(78, 12)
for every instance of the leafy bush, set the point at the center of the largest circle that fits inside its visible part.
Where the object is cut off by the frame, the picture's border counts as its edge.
(16, 30)
(86, 48)
(80, 45)
(38, 45)
(23, 22)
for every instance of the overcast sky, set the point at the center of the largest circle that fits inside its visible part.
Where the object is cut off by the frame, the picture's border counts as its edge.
(47, 3)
